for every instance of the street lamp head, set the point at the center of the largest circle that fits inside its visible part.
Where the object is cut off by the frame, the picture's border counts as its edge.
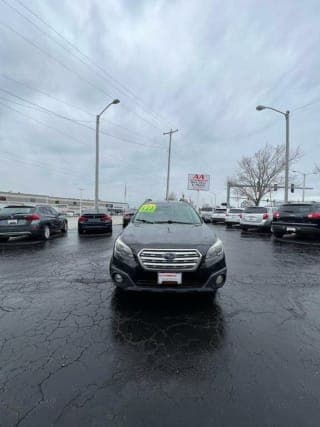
(260, 107)
(116, 101)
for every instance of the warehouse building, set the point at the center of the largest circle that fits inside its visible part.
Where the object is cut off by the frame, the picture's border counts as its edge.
(63, 204)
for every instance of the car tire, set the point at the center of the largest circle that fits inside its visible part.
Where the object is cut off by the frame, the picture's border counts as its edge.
(46, 233)
(228, 225)
(80, 231)
(4, 239)
(64, 229)
(244, 228)
(278, 234)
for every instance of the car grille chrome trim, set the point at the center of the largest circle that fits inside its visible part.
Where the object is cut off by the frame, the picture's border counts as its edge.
(160, 259)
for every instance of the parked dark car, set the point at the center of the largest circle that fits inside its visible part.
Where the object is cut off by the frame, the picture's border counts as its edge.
(127, 216)
(299, 218)
(96, 222)
(169, 248)
(38, 221)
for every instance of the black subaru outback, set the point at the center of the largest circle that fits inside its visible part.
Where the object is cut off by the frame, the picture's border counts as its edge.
(167, 247)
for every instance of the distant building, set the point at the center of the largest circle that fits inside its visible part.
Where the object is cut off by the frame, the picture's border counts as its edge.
(63, 204)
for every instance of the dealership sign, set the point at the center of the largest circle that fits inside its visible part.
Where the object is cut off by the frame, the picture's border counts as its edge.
(198, 182)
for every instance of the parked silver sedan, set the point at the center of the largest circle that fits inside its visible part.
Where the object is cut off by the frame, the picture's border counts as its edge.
(257, 217)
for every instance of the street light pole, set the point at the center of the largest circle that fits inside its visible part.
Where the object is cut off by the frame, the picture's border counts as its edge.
(96, 193)
(287, 153)
(286, 177)
(169, 160)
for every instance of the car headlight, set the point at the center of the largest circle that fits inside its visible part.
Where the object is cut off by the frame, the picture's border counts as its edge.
(215, 252)
(121, 250)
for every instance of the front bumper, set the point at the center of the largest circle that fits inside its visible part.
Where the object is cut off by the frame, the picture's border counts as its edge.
(135, 278)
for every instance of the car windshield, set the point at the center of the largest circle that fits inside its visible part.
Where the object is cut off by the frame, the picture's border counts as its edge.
(12, 210)
(167, 213)
(235, 210)
(220, 210)
(256, 210)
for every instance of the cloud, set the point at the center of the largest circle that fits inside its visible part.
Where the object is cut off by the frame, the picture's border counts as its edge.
(201, 67)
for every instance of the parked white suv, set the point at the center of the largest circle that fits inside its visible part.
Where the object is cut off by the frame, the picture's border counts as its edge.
(233, 216)
(218, 215)
(257, 217)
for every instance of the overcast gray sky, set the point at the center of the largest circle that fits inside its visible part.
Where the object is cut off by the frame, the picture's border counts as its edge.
(200, 66)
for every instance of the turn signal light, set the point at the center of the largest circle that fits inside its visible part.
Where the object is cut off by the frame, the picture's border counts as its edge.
(265, 216)
(106, 218)
(276, 215)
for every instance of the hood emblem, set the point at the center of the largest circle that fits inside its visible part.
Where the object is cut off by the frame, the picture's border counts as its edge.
(169, 255)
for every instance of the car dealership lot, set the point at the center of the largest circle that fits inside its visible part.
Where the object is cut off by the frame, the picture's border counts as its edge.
(75, 352)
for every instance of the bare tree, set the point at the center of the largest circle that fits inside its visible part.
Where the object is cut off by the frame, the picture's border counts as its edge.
(261, 171)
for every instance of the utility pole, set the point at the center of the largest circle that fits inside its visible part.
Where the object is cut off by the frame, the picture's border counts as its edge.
(286, 178)
(169, 159)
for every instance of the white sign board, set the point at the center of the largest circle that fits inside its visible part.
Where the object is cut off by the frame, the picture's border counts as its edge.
(198, 182)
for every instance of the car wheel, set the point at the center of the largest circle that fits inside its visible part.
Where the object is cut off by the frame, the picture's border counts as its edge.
(46, 233)
(64, 229)
(228, 225)
(244, 228)
(4, 239)
(80, 231)
(278, 234)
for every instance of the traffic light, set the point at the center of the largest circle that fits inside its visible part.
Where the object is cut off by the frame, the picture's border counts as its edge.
(275, 187)
(292, 188)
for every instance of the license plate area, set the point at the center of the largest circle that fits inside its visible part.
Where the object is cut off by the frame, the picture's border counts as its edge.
(169, 278)
(292, 229)
(12, 221)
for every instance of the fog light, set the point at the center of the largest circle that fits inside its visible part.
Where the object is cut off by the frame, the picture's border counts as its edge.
(118, 278)
(219, 279)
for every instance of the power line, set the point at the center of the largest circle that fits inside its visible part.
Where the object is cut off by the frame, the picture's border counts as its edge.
(315, 101)
(45, 93)
(118, 85)
(70, 105)
(8, 27)
(75, 122)
(44, 124)
(69, 52)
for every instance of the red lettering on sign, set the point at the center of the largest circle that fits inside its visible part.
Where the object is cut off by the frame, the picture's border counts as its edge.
(199, 177)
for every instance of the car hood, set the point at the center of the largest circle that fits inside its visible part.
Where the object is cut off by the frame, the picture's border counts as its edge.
(168, 236)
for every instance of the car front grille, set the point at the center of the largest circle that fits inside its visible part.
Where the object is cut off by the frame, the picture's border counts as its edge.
(169, 259)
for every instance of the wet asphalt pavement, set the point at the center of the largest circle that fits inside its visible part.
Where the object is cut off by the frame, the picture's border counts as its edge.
(73, 352)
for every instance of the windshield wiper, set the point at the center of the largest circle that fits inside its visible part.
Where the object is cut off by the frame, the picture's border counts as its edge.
(169, 221)
(144, 221)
